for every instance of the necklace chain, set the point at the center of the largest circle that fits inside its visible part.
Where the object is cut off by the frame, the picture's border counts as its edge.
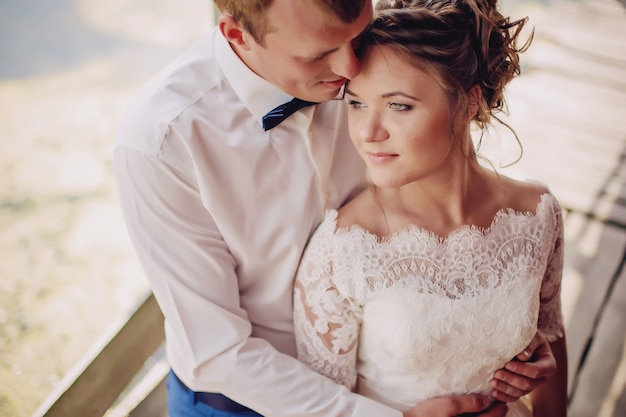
(382, 209)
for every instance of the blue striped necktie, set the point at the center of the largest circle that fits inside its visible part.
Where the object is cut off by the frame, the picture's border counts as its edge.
(280, 113)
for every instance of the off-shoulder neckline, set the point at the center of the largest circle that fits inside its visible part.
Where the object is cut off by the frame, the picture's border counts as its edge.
(505, 212)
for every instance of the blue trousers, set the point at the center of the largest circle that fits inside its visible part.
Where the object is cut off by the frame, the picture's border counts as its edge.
(181, 402)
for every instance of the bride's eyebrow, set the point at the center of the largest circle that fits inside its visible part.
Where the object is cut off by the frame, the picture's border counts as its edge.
(386, 95)
(399, 93)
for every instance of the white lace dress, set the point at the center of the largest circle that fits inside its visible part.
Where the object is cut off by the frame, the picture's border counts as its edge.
(414, 316)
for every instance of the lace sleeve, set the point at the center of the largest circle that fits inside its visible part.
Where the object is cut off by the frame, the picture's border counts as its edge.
(550, 323)
(326, 321)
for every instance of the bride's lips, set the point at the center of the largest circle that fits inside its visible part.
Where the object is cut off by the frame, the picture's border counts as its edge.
(381, 157)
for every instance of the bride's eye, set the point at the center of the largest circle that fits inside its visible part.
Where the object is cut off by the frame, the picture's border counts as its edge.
(356, 104)
(399, 107)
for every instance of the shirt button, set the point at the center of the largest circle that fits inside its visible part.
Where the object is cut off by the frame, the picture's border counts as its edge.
(311, 135)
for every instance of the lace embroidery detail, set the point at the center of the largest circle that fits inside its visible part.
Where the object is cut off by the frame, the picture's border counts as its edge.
(478, 292)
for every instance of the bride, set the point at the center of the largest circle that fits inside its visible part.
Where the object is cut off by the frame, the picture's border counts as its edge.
(443, 270)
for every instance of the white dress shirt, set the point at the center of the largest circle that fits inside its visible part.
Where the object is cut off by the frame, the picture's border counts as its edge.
(219, 212)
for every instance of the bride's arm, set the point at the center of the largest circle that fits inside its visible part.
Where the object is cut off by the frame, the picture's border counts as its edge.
(551, 398)
(326, 321)
(543, 371)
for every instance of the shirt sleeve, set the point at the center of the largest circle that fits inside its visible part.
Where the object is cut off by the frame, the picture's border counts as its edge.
(193, 276)
(550, 323)
(326, 321)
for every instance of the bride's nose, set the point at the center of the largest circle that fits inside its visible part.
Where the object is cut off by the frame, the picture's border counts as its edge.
(372, 128)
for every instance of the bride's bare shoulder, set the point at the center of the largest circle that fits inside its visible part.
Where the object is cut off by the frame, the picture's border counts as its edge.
(523, 196)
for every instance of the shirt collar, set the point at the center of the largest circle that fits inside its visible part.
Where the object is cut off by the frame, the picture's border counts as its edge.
(256, 93)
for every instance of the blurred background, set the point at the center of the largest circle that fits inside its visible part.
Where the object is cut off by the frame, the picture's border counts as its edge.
(68, 69)
(67, 271)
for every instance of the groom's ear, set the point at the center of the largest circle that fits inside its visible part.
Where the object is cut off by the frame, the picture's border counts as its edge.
(233, 32)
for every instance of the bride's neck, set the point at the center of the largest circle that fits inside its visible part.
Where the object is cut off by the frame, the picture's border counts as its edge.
(441, 206)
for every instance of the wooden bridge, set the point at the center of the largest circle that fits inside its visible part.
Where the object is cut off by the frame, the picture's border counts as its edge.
(569, 110)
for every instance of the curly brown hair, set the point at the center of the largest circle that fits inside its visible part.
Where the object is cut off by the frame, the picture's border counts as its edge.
(462, 43)
(251, 13)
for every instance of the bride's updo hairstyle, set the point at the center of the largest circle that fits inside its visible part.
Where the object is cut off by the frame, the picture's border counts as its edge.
(461, 43)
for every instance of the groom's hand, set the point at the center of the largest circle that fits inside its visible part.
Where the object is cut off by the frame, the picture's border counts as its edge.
(528, 370)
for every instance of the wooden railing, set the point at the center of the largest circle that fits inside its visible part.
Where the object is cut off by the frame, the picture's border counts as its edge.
(123, 376)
